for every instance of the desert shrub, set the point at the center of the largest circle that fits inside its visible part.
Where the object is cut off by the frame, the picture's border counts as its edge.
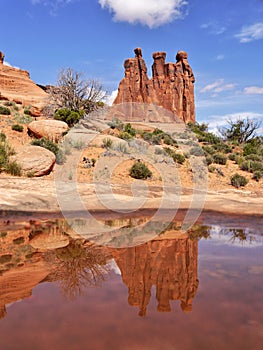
(23, 119)
(254, 157)
(116, 123)
(129, 129)
(209, 150)
(178, 158)
(3, 156)
(17, 127)
(4, 110)
(27, 110)
(43, 142)
(13, 168)
(122, 147)
(220, 158)
(107, 143)
(2, 137)
(257, 175)
(196, 151)
(60, 157)
(251, 166)
(211, 168)
(233, 156)
(238, 180)
(168, 140)
(222, 147)
(140, 170)
(209, 159)
(125, 135)
(9, 103)
(68, 116)
(158, 150)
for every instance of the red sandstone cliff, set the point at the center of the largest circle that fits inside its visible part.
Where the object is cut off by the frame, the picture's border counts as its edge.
(171, 86)
(16, 85)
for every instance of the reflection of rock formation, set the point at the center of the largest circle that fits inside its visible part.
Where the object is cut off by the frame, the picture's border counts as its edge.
(170, 265)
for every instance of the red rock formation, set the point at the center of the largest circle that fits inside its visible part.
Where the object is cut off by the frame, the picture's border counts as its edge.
(16, 85)
(171, 85)
(170, 265)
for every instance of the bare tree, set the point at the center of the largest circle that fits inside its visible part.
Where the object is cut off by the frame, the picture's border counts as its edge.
(75, 92)
(241, 130)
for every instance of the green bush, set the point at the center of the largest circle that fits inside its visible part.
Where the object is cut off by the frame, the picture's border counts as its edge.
(68, 116)
(178, 158)
(13, 168)
(233, 156)
(4, 110)
(129, 129)
(196, 151)
(140, 171)
(220, 158)
(43, 142)
(257, 175)
(211, 168)
(125, 135)
(238, 180)
(17, 127)
(107, 143)
(254, 157)
(251, 166)
(116, 123)
(222, 147)
(209, 159)
(209, 150)
(2, 137)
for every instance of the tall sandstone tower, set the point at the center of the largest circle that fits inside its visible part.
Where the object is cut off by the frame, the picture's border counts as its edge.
(171, 86)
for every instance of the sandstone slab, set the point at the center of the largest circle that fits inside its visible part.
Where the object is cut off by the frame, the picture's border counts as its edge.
(35, 160)
(50, 129)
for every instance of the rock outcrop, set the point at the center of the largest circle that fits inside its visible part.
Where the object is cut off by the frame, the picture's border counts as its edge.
(50, 129)
(35, 160)
(171, 86)
(170, 265)
(16, 85)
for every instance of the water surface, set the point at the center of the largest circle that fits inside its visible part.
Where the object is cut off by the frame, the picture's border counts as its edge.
(199, 290)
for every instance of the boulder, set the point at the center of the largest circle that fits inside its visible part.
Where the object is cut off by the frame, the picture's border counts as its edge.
(35, 160)
(50, 129)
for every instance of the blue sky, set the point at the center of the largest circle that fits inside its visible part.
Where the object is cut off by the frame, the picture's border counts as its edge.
(223, 38)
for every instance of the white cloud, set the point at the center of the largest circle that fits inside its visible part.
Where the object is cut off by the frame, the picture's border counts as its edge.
(251, 33)
(54, 5)
(110, 99)
(216, 121)
(217, 86)
(253, 90)
(214, 28)
(10, 65)
(152, 13)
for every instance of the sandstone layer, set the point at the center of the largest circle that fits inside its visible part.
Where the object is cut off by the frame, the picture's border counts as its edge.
(171, 86)
(16, 85)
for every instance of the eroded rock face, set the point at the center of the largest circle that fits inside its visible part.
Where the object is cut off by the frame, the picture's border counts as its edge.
(170, 265)
(50, 129)
(171, 86)
(35, 160)
(2, 56)
(16, 85)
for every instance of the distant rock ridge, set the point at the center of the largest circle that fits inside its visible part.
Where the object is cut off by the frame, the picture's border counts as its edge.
(171, 86)
(16, 85)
